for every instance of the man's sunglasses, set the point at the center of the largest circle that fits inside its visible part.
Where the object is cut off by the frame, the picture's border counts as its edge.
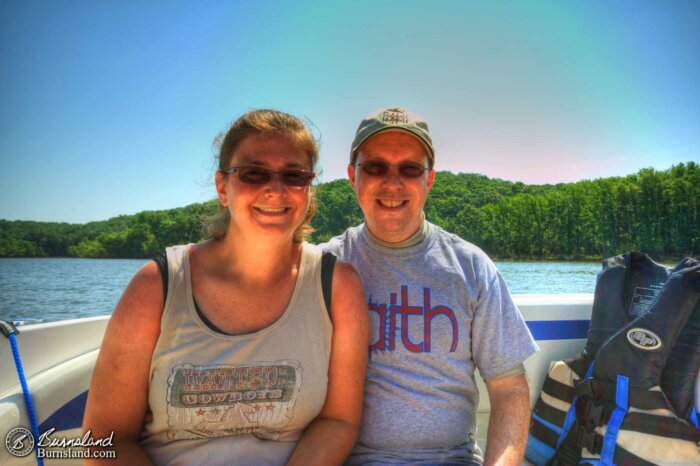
(251, 174)
(381, 168)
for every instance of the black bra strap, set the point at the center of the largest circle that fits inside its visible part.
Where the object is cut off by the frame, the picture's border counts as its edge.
(162, 261)
(327, 264)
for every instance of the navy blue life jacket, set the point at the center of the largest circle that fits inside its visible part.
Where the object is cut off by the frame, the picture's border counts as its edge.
(622, 415)
(627, 287)
(678, 380)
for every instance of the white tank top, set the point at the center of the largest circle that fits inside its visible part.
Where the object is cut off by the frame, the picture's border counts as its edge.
(236, 399)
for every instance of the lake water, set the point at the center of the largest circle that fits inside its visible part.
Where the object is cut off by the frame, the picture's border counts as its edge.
(57, 289)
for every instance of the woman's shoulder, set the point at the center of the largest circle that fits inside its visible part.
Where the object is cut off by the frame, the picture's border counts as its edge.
(139, 310)
(346, 273)
(148, 277)
(200, 255)
(347, 286)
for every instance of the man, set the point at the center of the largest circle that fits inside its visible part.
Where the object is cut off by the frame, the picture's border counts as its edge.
(438, 310)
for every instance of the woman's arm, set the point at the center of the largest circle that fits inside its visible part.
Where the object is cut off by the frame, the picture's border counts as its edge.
(118, 396)
(330, 437)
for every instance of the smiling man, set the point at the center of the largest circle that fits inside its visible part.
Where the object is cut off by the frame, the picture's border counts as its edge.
(438, 309)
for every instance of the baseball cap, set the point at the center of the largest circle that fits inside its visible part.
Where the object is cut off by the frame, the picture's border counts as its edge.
(393, 119)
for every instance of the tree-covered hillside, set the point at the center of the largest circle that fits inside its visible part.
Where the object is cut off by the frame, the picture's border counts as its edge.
(657, 212)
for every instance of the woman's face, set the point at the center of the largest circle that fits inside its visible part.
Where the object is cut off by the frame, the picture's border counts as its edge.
(272, 208)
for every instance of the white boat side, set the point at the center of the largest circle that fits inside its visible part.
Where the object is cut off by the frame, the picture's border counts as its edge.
(59, 357)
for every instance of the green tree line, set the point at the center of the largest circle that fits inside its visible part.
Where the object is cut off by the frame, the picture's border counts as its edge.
(656, 212)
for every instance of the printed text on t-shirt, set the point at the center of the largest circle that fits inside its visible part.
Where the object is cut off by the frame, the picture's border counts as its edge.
(422, 315)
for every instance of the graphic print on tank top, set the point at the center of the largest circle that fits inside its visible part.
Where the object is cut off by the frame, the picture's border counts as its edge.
(223, 399)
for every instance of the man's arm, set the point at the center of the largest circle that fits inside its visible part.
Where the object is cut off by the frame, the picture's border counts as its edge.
(509, 420)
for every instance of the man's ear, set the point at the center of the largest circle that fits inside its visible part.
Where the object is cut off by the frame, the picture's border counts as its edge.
(351, 175)
(431, 178)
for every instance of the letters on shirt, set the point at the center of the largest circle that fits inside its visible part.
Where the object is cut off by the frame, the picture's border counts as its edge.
(410, 316)
(223, 399)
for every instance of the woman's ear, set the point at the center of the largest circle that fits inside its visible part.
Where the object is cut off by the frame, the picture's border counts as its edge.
(220, 180)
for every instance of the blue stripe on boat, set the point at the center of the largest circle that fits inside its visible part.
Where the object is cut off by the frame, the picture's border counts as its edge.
(68, 416)
(559, 329)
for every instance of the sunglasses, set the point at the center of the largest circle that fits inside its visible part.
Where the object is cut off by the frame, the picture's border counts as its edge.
(381, 168)
(250, 174)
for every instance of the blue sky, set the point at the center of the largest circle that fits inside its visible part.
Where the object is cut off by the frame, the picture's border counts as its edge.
(111, 107)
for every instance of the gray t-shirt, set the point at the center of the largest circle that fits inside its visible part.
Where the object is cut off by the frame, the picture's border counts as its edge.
(438, 310)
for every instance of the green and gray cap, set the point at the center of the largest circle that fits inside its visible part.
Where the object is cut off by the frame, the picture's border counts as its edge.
(393, 119)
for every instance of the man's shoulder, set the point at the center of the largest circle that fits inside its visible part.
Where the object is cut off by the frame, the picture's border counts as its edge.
(459, 254)
(338, 244)
(462, 248)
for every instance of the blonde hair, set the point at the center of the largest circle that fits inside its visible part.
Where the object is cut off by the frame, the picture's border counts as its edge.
(264, 121)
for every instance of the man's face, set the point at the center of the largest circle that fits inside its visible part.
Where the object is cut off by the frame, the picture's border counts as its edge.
(392, 204)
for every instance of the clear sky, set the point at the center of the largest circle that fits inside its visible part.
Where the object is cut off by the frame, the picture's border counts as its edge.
(110, 107)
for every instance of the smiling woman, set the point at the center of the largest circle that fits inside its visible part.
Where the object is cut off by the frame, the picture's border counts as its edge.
(259, 123)
(224, 352)
(270, 200)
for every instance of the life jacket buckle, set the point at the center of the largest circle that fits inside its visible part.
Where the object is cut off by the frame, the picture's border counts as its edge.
(584, 388)
(590, 440)
(565, 457)
(590, 414)
(593, 413)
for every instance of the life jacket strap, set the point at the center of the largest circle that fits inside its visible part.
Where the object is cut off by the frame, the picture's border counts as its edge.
(558, 390)
(590, 413)
(605, 391)
(568, 453)
(669, 427)
(589, 439)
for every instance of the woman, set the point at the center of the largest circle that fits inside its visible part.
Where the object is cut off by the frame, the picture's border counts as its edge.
(239, 362)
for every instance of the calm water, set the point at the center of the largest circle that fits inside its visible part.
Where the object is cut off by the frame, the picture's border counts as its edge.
(550, 277)
(57, 289)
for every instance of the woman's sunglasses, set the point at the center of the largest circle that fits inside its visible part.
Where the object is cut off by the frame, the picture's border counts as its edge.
(250, 174)
(381, 168)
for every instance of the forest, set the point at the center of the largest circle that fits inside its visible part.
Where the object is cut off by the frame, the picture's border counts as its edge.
(653, 211)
